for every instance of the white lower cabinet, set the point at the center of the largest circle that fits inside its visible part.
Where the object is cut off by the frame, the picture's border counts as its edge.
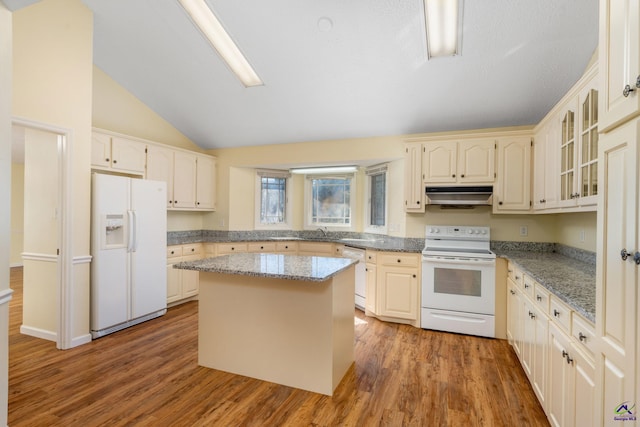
(182, 284)
(396, 289)
(558, 363)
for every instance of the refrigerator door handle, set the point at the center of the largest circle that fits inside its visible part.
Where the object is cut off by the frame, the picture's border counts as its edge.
(134, 246)
(131, 231)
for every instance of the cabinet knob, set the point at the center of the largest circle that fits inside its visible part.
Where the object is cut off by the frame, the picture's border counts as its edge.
(261, 247)
(500, 203)
(115, 161)
(556, 313)
(398, 260)
(233, 249)
(462, 176)
(453, 176)
(627, 90)
(414, 276)
(193, 249)
(106, 160)
(624, 254)
(286, 247)
(418, 202)
(198, 203)
(638, 81)
(582, 337)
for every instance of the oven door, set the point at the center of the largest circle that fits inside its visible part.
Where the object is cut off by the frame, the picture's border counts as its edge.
(456, 284)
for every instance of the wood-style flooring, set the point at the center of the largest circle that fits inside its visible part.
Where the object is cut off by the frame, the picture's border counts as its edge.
(148, 375)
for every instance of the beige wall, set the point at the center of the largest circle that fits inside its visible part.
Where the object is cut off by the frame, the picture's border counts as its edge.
(5, 197)
(52, 74)
(570, 227)
(17, 213)
(118, 110)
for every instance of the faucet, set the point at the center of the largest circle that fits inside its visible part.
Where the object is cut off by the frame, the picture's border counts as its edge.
(324, 231)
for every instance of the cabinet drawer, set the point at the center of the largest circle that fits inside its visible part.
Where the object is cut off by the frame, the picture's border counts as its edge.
(372, 257)
(515, 274)
(286, 246)
(560, 313)
(398, 259)
(230, 248)
(174, 251)
(528, 285)
(261, 247)
(191, 250)
(584, 333)
(541, 297)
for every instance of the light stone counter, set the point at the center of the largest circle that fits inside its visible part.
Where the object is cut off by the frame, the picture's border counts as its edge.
(280, 318)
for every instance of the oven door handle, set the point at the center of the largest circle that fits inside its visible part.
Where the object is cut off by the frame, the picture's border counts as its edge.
(458, 261)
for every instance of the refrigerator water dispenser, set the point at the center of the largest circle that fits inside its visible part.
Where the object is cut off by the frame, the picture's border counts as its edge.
(113, 231)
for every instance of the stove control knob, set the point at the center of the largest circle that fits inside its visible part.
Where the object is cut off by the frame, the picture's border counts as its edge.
(470, 231)
(436, 230)
(484, 231)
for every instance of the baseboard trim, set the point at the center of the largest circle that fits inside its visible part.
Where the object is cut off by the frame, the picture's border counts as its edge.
(82, 339)
(39, 333)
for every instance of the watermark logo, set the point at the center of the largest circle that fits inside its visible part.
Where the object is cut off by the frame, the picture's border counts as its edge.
(625, 412)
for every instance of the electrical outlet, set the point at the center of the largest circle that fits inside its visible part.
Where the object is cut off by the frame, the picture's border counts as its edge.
(582, 235)
(524, 230)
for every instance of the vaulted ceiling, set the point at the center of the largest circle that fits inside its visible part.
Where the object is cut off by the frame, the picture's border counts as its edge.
(367, 74)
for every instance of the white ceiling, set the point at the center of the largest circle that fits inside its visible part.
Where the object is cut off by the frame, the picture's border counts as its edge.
(367, 76)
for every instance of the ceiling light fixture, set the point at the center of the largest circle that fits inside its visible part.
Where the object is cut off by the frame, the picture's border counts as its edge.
(443, 20)
(212, 29)
(325, 170)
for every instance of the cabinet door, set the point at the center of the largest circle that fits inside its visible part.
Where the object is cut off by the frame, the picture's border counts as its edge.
(616, 290)
(476, 161)
(560, 378)
(513, 190)
(398, 292)
(206, 183)
(439, 162)
(587, 159)
(584, 391)
(568, 176)
(370, 302)
(540, 356)
(528, 337)
(619, 60)
(128, 156)
(552, 165)
(100, 150)
(190, 283)
(413, 186)
(539, 157)
(174, 284)
(514, 317)
(160, 168)
(184, 180)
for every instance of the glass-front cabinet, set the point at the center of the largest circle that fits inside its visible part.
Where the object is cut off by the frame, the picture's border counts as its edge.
(579, 151)
(567, 163)
(589, 148)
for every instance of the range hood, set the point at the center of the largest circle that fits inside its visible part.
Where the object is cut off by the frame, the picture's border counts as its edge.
(460, 196)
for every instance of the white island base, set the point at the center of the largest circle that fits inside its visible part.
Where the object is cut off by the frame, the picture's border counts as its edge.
(296, 333)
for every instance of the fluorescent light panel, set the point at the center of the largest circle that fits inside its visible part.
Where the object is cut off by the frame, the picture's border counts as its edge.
(325, 169)
(443, 21)
(213, 30)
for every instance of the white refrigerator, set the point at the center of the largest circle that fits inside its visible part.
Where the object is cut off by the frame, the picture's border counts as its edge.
(128, 246)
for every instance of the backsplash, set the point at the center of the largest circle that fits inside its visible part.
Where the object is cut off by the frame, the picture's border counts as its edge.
(568, 251)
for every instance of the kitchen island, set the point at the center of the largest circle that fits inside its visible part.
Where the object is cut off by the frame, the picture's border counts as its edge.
(281, 318)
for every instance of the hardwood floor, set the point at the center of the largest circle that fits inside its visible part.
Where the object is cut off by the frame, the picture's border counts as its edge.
(148, 375)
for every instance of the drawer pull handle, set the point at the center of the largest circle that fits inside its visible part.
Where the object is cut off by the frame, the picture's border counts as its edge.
(582, 337)
(526, 286)
(517, 277)
(414, 276)
(556, 313)
(398, 260)
(566, 356)
(538, 297)
(512, 291)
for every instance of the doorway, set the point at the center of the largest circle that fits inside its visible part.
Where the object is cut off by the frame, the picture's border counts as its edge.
(38, 242)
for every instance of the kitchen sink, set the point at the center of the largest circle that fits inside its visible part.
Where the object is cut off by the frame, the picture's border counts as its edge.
(347, 239)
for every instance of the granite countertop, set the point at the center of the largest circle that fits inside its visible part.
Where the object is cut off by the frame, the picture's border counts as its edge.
(571, 280)
(356, 240)
(292, 267)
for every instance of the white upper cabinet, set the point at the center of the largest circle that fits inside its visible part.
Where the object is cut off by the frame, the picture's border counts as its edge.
(184, 180)
(439, 162)
(205, 182)
(546, 182)
(160, 168)
(619, 58)
(587, 159)
(512, 192)
(413, 188)
(117, 154)
(468, 161)
(476, 159)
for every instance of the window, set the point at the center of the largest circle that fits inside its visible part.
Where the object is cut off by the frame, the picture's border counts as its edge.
(330, 201)
(377, 198)
(272, 206)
